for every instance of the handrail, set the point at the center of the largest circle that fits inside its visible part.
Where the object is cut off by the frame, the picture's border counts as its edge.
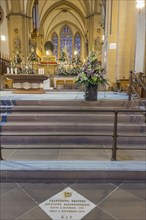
(114, 132)
(136, 80)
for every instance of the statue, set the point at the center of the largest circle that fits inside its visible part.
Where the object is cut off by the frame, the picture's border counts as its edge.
(17, 44)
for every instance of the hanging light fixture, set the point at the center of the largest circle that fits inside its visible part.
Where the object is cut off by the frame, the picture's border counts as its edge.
(140, 4)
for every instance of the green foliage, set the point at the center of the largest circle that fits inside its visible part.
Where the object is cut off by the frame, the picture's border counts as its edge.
(68, 71)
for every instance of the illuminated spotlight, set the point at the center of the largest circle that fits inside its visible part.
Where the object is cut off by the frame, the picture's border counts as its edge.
(75, 52)
(103, 38)
(47, 52)
(140, 4)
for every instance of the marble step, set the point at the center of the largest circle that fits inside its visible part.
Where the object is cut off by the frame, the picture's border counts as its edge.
(72, 170)
(98, 103)
(69, 117)
(70, 146)
(41, 108)
(71, 127)
(70, 138)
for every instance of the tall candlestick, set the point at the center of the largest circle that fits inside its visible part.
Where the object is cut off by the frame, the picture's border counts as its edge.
(8, 71)
(15, 70)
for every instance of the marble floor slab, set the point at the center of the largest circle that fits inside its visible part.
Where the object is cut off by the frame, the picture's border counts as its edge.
(113, 200)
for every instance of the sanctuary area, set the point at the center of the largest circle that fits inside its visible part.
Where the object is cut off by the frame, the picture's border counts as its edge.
(54, 38)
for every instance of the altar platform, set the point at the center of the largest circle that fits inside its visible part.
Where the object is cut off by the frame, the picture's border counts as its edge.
(61, 95)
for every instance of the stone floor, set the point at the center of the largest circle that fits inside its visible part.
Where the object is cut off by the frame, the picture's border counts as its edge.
(112, 200)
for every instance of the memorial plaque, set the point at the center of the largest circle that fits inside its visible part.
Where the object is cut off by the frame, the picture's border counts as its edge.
(67, 204)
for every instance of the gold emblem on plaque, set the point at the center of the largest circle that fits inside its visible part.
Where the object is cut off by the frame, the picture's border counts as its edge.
(67, 194)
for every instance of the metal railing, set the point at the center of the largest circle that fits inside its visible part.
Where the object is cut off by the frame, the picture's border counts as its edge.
(136, 80)
(114, 133)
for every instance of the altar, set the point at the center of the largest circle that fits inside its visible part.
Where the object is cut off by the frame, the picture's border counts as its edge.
(25, 83)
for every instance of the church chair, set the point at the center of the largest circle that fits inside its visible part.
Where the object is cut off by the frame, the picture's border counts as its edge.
(60, 83)
(69, 83)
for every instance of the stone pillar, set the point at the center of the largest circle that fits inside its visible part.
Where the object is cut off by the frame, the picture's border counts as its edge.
(140, 57)
(119, 45)
(18, 34)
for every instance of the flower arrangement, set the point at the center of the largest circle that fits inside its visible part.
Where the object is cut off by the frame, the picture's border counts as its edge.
(25, 70)
(91, 72)
(73, 71)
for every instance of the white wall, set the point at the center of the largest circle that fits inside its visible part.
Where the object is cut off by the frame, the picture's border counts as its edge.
(140, 41)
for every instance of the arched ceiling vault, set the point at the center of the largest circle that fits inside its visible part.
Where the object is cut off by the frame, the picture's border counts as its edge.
(60, 15)
(57, 5)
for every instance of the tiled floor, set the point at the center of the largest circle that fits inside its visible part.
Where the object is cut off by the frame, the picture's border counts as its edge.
(114, 201)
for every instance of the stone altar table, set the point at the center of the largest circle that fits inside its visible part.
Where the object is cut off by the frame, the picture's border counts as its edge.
(27, 82)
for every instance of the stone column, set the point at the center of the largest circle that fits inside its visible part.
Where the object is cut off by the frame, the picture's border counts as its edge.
(18, 34)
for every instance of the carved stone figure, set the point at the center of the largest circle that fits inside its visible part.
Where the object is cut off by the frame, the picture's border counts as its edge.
(17, 44)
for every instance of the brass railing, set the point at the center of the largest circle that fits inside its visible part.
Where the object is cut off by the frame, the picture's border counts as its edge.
(114, 134)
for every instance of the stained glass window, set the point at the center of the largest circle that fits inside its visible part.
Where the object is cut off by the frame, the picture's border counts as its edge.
(55, 43)
(77, 43)
(66, 40)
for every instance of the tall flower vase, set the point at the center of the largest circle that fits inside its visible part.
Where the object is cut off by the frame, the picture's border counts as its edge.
(91, 92)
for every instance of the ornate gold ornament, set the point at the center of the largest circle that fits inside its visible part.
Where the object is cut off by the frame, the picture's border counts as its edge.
(67, 194)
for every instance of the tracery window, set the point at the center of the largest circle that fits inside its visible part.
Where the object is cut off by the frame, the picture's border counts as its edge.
(35, 15)
(55, 43)
(66, 40)
(77, 43)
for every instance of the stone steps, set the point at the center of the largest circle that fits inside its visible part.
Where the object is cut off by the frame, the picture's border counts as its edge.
(71, 127)
(72, 170)
(75, 117)
(105, 103)
(60, 123)
(51, 138)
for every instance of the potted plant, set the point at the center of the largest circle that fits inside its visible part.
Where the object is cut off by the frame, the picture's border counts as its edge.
(91, 75)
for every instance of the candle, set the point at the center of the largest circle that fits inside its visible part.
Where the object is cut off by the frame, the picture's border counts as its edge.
(15, 70)
(8, 71)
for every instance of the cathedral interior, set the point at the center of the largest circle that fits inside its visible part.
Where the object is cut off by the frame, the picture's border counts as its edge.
(73, 109)
(115, 30)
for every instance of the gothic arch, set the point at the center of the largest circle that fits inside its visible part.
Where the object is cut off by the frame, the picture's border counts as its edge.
(29, 7)
(54, 6)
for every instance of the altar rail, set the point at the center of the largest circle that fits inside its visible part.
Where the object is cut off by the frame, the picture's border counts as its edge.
(114, 134)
